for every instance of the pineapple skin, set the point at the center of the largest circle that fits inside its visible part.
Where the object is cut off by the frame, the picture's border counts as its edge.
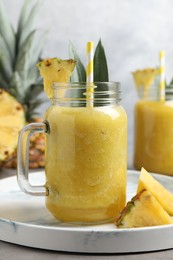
(36, 155)
(143, 210)
(36, 152)
(165, 198)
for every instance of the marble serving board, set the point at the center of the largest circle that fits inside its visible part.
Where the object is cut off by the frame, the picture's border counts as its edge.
(24, 220)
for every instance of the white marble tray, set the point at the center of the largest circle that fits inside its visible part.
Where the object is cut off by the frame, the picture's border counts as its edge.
(24, 220)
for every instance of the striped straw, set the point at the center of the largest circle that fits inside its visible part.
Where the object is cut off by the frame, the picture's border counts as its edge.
(89, 73)
(162, 76)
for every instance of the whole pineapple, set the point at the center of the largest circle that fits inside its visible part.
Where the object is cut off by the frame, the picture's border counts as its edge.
(19, 52)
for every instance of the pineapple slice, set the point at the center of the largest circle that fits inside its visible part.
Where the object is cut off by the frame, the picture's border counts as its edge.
(55, 70)
(143, 80)
(12, 119)
(165, 198)
(143, 210)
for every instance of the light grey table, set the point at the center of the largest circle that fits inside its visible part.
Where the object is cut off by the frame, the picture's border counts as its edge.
(16, 252)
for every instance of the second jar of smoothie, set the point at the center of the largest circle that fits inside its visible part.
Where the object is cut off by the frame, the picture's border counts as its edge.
(154, 136)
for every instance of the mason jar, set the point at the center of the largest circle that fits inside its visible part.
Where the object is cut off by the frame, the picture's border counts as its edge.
(153, 147)
(86, 153)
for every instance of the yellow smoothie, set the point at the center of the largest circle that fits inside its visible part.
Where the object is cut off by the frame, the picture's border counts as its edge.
(86, 162)
(154, 136)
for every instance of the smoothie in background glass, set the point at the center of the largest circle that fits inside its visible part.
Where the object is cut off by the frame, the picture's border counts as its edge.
(153, 146)
(154, 136)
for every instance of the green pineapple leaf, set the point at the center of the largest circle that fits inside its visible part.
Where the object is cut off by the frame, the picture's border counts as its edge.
(6, 31)
(25, 50)
(24, 15)
(100, 64)
(5, 67)
(15, 86)
(22, 69)
(79, 73)
(34, 104)
(33, 99)
(171, 82)
(28, 57)
(27, 20)
(35, 90)
(37, 47)
(4, 50)
(3, 82)
(5, 60)
(34, 77)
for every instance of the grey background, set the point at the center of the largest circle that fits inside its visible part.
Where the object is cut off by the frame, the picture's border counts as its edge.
(132, 32)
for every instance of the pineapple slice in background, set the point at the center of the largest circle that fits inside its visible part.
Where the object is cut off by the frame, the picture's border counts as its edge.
(143, 80)
(165, 198)
(55, 70)
(143, 210)
(12, 119)
(19, 52)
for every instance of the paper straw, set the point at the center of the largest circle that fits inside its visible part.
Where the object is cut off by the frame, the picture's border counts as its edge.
(89, 73)
(162, 76)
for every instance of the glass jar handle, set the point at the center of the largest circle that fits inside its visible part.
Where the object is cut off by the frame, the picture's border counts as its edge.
(23, 158)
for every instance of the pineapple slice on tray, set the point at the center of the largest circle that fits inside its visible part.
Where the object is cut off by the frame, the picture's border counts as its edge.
(165, 198)
(143, 210)
(55, 70)
(152, 205)
(12, 119)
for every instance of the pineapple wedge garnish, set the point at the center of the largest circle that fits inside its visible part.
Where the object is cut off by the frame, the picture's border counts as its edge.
(143, 210)
(144, 79)
(12, 119)
(55, 70)
(165, 198)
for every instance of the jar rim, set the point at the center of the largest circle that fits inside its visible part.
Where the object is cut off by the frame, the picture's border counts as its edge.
(83, 85)
(97, 93)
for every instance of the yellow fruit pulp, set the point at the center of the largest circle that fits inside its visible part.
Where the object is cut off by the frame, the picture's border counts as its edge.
(165, 198)
(86, 162)
(154, 136)
(144, 210)
(55, 70)
(12, 119)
